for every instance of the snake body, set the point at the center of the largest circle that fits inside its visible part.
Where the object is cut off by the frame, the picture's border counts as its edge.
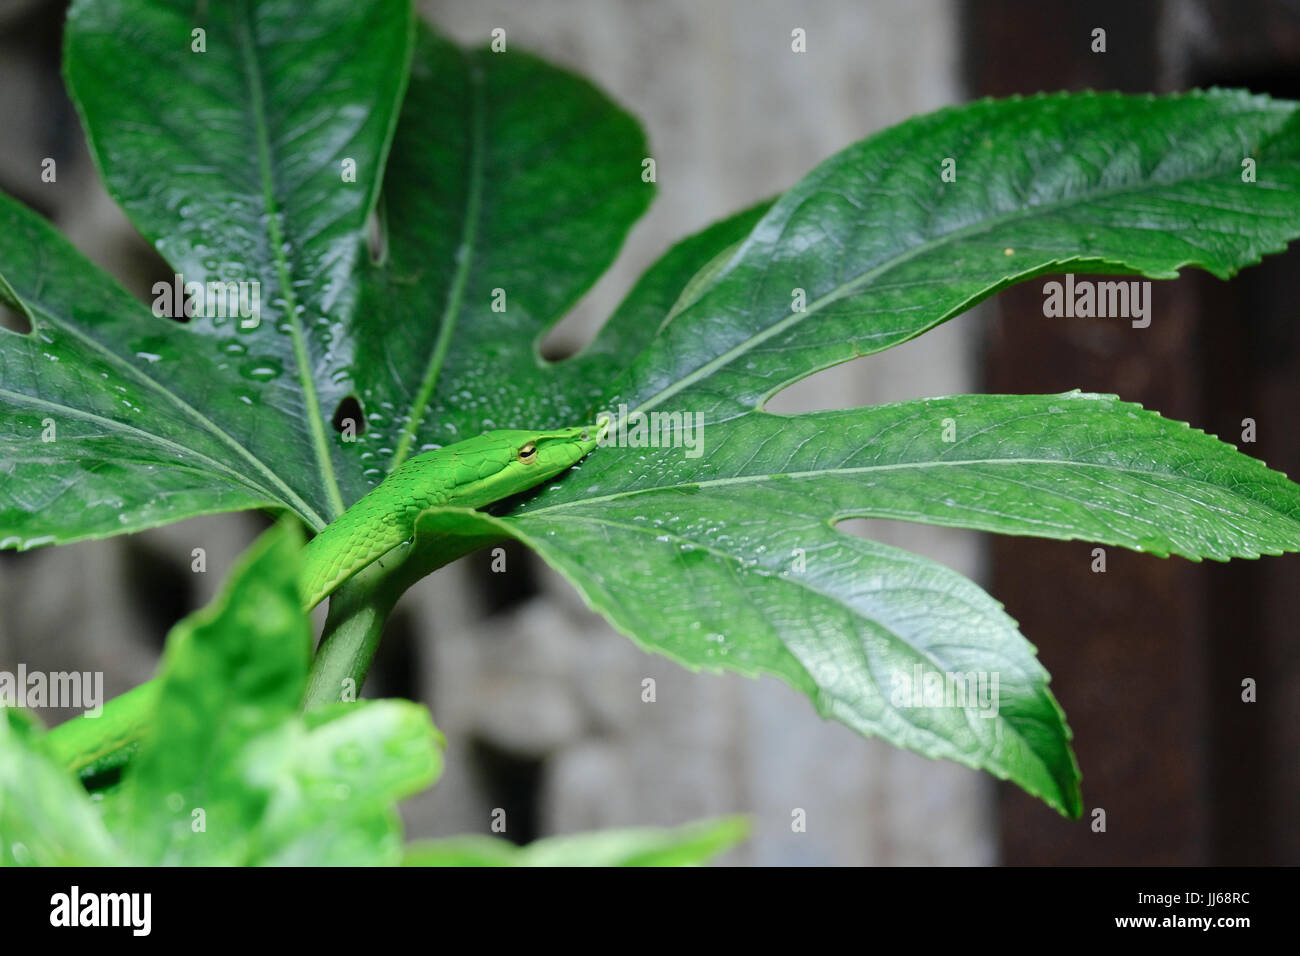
(472, 473)
(469, 474)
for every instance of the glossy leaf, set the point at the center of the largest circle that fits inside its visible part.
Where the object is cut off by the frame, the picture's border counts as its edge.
(882, 248)
(91, 444)
(155, 422)
(1074, 465)
(729, 560)
(276, 136)
(509, 187)
(757, 581)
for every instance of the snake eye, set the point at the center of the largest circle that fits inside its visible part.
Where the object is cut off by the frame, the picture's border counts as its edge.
(528, 454)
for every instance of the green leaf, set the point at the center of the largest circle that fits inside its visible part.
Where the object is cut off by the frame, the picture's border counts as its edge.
(693, 556)
(335, 777)
(1066, 466)
(45, 818)
(767, 586)
(90, 443)
(511, 184)
(231, 773)
(230, 673)
(883, 249)
(757, 581)
(154, 421)
(23, 723)
(684, 846)
(261, 129)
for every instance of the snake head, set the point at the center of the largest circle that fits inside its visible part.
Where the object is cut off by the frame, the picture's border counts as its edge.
(505, 462)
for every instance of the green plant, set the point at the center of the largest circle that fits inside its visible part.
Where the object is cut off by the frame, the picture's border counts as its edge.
(236, 774)
(507, 186)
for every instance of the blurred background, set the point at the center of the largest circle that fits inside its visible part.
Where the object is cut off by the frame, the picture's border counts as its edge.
(541, 701)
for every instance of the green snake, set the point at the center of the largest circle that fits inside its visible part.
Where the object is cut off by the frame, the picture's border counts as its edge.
(472, 473)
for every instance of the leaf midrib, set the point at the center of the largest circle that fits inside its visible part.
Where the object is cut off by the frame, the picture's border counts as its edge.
(464, 263)
(275, 237)
(897, 466)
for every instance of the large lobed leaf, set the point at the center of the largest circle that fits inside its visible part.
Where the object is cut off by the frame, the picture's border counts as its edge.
(884, 250)
(510, 178)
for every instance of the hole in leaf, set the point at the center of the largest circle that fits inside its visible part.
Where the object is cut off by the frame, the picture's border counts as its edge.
(557, 351)
(13, 319)
(102, 780)
(164, 299)
(348, 418)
